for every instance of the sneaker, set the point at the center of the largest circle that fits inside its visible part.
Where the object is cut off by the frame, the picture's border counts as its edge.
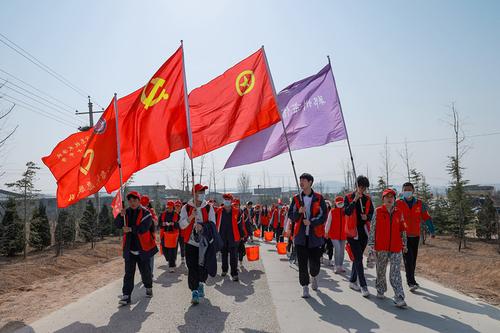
(354, 286)
(400, 303)
(341, 269)
(236, 278)
(413, 287)
(149, 292)
(365, 292)
(183, 261)
(332, 262)
(314, 283)
(201, 290)
(195, 297)
(223, 274)
(380, 295)
(172, 269)
(305, 292)
(124, 300)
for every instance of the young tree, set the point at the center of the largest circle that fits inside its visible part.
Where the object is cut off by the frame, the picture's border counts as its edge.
(26, 187)
(381, 186)
(440, 215)
(11, 230)
(105, 222)
(388, 166)
(88, 227)
(486, 220)
(65, 231)
(406, 157)
(243, 182)
(40, 236)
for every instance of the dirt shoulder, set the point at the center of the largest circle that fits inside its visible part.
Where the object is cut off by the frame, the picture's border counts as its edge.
(474, 271)
(41, 284)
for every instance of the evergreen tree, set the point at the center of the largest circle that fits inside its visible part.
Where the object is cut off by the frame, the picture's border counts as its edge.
(40, 236)
(486, 220)
(65, 230)
(12, 238)
(381, 186)
(88, 223)
(440, 216)
(105, 222)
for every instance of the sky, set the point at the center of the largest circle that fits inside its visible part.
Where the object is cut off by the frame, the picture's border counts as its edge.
(398, 65)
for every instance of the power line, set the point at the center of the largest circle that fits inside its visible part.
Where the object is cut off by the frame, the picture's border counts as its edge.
(35, 88)
(31, 58)
(35, 109)
(37, 101)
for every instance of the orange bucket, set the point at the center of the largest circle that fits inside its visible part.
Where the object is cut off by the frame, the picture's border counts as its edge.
(170, 239)
(252, 253)
(281, 246)
(257, 233)
(268, 236)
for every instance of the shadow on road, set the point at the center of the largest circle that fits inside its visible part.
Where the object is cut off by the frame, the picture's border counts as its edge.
(204, 318)
(341, 315)
(424, 319)
(242, 289)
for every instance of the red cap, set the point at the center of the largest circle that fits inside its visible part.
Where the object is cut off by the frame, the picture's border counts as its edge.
(339, 199)
(178, 203)
(144, 200)
(389, 191)
(199, 187)
(227, 196)
(236, 201)
(133, 194)
(170, 204)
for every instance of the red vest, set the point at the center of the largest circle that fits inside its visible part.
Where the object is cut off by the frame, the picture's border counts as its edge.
(388, 230)
(281, 216)
(351, 221)
(163, 219)
(319, 230)
(186, 233)
(234, 221)
(337, 224)
(413, 216)
(147, 239)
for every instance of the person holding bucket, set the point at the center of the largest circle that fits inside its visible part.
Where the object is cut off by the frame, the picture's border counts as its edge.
(146, 203)
(193, 215)
(278, 220)
(169, 234)
(308, 210)
(230, 230)
(358, 214)
(264, 220)
(335, 234)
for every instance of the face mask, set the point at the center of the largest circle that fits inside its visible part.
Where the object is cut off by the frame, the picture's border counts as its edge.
(201, 196)
(407, 194)
(227, 203)
(340, 205)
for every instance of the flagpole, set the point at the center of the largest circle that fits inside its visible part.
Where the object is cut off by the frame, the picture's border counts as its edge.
(188, 120)
(282, 122)
(119, 159)
(343, 121)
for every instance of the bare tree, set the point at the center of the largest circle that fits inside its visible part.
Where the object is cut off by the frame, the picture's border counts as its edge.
(243, 182)
(202, 162)
(388, 166)
(406, 157)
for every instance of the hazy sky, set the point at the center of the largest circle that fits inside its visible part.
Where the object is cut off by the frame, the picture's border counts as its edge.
(398, 66)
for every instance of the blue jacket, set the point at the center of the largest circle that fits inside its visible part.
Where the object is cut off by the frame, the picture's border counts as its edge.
(317, 220)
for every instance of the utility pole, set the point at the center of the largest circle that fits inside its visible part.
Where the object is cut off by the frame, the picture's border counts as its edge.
(91, 124)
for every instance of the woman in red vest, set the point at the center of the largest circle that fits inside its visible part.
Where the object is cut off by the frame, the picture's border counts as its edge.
(169, 228)
(335, 234)
(388, 240)
(264, 220)
(146, 203)
(177, 208)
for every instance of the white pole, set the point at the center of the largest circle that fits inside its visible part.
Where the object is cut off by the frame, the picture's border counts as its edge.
(119, 159)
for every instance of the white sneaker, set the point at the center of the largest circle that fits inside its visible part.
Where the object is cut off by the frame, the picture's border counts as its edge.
(380, 295)
(305, 292)
(354, 286)
(172, 269)
(400, 303)
(332, 262)
(314, 283)
(413, 287)
(365, 292)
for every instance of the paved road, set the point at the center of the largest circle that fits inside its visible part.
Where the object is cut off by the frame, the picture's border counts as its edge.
(268, 300)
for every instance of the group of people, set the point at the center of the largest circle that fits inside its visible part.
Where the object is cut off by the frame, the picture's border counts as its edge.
(313, 226)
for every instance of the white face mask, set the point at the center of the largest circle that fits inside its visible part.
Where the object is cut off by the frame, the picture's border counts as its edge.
(340, 205)
(227, 203)
(201, 196)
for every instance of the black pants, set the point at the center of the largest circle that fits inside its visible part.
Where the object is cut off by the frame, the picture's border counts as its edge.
(410, 259)
(278, 234)
(170, 255)
(329, 248)
(309, 262)
(196, 273)
(358, 247)
(144, 268)
(182, 246)
(232, 252)
(241, 250)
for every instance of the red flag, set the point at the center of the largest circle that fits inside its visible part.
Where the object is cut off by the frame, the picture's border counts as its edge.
(117, 204)
(96, 165)
(235, 105)
(152, 121)
(67, 154)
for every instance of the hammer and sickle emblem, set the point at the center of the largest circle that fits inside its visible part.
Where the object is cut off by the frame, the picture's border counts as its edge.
(151, 100)
(85, 169)
(245, 82)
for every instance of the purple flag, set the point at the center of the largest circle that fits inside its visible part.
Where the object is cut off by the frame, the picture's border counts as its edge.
(311, 111)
